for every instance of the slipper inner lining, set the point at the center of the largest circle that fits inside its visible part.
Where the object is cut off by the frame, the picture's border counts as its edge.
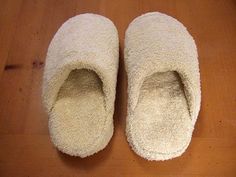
(161, 119)
(78, 115)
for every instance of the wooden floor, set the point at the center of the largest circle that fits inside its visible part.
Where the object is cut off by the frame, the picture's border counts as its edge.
(26, 28)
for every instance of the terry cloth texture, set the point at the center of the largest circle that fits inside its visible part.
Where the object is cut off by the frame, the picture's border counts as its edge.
(163, 86)
(79, 84)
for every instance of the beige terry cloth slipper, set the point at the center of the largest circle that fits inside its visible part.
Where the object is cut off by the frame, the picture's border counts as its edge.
(79, 84)
(163, 86)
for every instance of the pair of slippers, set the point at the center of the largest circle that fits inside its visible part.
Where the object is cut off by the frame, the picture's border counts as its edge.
(79, 85)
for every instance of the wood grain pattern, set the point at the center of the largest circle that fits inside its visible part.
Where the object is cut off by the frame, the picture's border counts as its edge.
(26, 28)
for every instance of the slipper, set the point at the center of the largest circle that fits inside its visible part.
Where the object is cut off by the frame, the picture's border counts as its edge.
(163, 86)
(79, 84)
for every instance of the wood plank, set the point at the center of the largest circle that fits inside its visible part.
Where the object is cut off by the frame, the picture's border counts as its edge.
(9, 11)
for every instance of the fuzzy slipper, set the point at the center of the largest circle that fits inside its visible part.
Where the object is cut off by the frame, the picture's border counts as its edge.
(163, 86)
(79, 84)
